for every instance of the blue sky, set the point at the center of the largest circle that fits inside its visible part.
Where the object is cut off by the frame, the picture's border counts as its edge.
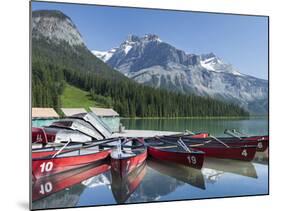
(239, 40)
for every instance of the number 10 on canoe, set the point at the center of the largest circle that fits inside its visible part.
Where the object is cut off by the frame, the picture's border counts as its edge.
(46, 166)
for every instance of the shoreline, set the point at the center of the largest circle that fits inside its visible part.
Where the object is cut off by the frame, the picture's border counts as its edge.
(208, 117)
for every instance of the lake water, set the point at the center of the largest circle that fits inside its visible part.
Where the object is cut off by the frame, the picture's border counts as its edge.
(251, 126)
(160, 181)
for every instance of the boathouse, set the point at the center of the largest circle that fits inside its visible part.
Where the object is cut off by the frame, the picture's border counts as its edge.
(43, 116)
(109, 116)
(44, 113)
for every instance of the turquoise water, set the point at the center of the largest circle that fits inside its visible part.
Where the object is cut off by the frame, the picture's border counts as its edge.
(160, 181)
(252, 126)
(42, 122)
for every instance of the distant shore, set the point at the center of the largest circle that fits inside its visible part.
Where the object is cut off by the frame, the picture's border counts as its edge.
(208, 117)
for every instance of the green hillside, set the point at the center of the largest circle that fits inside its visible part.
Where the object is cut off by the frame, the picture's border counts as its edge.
(73, 97)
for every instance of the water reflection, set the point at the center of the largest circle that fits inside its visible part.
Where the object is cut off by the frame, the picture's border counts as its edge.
(213, 168)
(123, 187)
(153, 181)
(181, 173)
(61, 190)
(261, 157)
(154, 186)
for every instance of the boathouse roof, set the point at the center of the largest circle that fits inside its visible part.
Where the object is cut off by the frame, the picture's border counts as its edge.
(72, 111)
(104, 112)
(44, 113)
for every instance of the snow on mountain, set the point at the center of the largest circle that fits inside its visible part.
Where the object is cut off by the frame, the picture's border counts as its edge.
(149, 60)
(96, 181)
(213, 63)
(104, 55)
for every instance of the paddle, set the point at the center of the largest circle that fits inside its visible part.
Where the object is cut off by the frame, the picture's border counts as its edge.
(215, 138)
(182, 144)
(178, 143)
(205, 142)
(58, 152)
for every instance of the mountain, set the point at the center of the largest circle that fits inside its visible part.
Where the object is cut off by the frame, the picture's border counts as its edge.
(59, 55)
(56, 26)
(56, 38)
(150, 61)
(61, 59)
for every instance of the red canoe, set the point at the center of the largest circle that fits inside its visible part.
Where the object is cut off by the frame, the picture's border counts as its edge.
(44, 152)
(245, 153)
(64, 161)
(173, 152)
(220, 148)
(39, 135)
(261, 141)
(47, 186)
(128, 156)
(49, 151)
(52, 148)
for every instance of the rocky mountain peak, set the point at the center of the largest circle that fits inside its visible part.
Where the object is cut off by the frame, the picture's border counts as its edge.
(145, 38)
(150, 61)
(133, 38)
(152, 37)
(55, 26)
(207, 56)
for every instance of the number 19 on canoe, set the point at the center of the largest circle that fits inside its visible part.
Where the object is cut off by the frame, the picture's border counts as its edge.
(46, 166)
(191, 159)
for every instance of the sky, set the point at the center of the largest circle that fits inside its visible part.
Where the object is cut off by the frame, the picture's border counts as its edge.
(239, 40)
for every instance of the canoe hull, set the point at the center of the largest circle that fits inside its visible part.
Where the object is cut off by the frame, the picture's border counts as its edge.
(48, 166)
(51, 150)
(126, 165)
(262, 142)
(236, 153)
(38, 135)
(43, 154)
(191, 159)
